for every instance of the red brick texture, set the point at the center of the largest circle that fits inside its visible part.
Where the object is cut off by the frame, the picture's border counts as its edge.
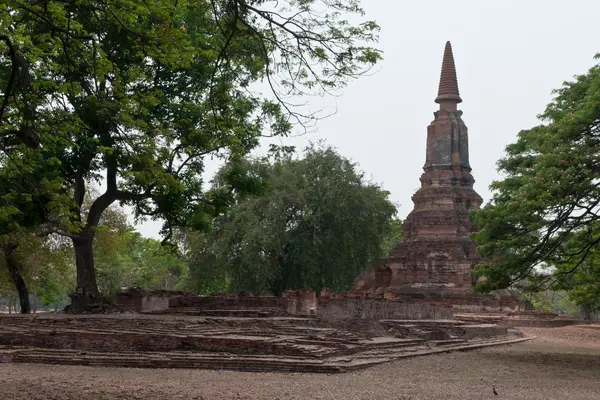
(437, 254)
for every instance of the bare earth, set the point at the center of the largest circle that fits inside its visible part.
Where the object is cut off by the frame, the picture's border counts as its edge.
(561, 363)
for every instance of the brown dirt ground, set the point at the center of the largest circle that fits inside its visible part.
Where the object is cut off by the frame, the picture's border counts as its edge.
(561, 363)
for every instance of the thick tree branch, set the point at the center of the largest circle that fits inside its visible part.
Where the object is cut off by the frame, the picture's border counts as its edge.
(13, 74)
(54, 26)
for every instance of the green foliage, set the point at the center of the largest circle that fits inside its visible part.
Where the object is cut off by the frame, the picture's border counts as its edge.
(393, 238)
(563, 304)
(54, 284)
(138, 94)
(147, 90)
(137, 262)
(318, 225)
(582, 281)
(29, 191)
(552, 300)
(46, 265)
(540, 302)
(545, 214)
(125, 258)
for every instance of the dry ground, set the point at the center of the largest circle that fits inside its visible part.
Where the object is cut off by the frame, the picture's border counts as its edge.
(561, 363)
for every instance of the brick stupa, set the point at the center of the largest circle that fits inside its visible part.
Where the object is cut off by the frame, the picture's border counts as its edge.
(436, 255)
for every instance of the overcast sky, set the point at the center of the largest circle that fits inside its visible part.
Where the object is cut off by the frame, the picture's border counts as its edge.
(509, 56)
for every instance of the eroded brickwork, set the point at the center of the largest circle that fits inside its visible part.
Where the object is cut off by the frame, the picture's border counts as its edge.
(246, 344)
(436, 256)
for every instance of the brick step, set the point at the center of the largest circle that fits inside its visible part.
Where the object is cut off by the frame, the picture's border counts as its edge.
(154, 323)
(444, 330)
(241, 363)
(141, 342)
(392, 344)
(376, 349)
(251, 313)
(446, 342)
(399, 354)
(172, 356)
(442, 345)
(421, 322)
(387, 353)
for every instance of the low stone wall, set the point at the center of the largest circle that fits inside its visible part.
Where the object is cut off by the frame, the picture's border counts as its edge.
(133, 341)
(374, 309)
(301, 302)
(519, 319)
(341, 306)
(140, 302)
(464, 302)
(280, 304)
(536, 319)
(154, 303)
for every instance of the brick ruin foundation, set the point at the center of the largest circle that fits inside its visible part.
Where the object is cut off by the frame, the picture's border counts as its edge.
(297, 332)
(294, 333)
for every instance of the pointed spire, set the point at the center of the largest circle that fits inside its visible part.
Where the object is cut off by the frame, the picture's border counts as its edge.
(448, 91)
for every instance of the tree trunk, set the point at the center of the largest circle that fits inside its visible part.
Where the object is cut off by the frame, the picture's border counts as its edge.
(12, 304)
(87, 289)
(14, 270)
(586, 312)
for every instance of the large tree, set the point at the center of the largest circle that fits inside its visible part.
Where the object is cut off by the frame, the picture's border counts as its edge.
(545, 213)
(319, 225)
(138, 94)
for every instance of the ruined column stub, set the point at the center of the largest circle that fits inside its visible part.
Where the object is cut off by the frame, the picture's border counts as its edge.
(436, 255)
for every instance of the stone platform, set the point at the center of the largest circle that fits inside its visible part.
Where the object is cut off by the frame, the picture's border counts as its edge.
(515, 319)
(247, 344)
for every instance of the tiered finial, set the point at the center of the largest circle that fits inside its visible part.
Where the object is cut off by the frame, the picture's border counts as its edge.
(448, 91)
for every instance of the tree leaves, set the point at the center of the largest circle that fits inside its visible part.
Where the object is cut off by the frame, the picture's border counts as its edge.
(138, 94)
(545, 213)
(318, 225)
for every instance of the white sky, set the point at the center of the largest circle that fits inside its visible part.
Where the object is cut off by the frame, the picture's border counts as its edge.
(509, 56)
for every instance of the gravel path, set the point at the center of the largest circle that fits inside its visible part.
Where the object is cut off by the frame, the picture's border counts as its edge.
(562, 363)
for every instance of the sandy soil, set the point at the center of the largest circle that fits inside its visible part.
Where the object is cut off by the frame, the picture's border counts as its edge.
(562, 363)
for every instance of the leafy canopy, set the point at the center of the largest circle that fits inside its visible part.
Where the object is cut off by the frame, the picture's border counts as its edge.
(319, 224)
(545, 214)
(138, 93)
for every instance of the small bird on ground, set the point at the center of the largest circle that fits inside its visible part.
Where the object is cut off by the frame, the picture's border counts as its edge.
(494, 390)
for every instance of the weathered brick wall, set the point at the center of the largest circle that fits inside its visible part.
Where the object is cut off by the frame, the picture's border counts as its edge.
(302, 302)
(142, 301)
(129, 301)
(132, 341)
(374, 309)
(154, 303)
(293, 302)
(467, 302)
(234, 303)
